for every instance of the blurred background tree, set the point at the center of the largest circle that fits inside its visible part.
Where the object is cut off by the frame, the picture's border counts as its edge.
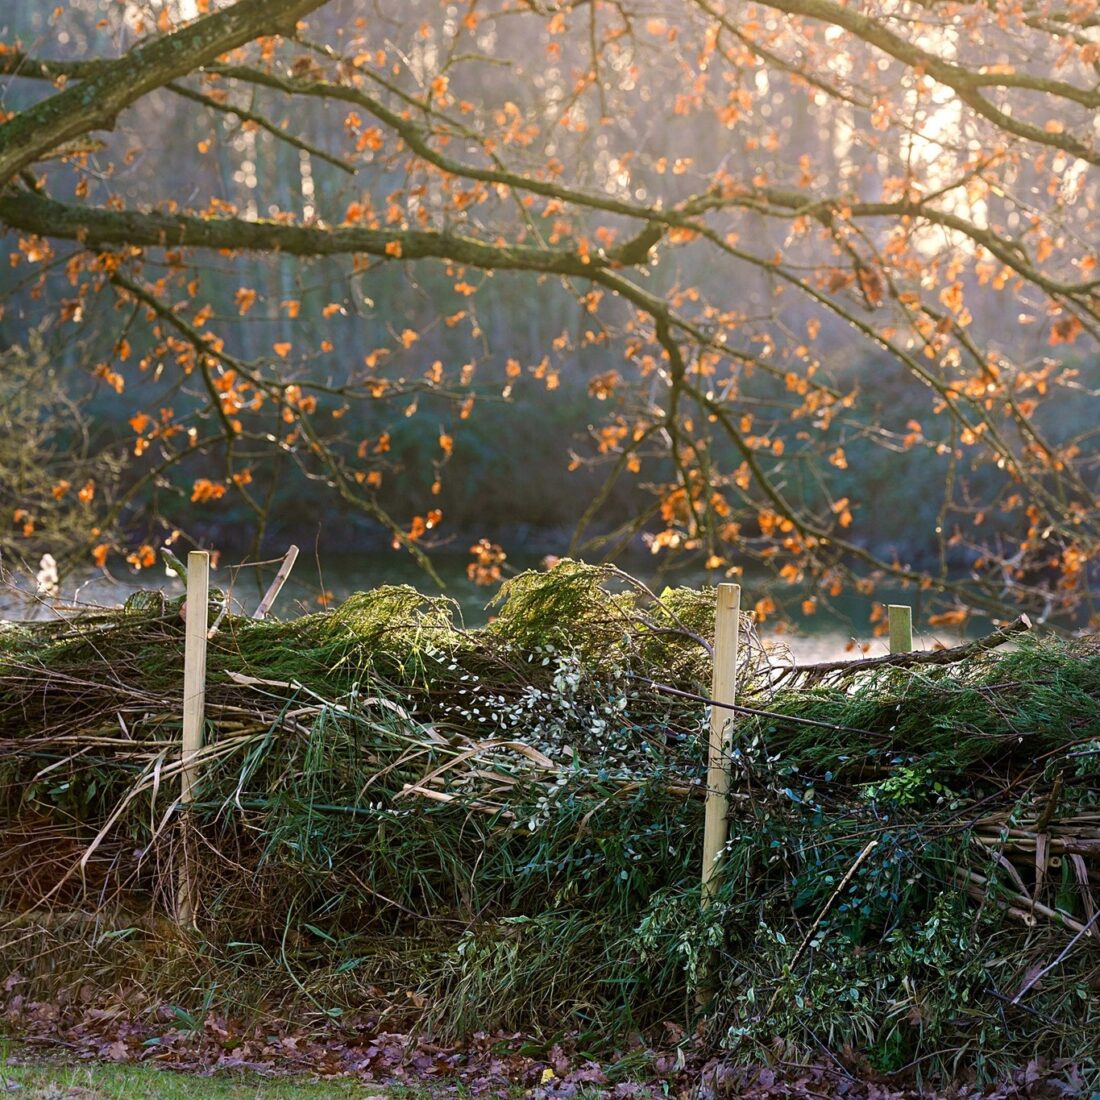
(796, 283)
(55, 485)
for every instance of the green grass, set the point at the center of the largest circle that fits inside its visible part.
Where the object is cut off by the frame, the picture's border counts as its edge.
(56, 1080)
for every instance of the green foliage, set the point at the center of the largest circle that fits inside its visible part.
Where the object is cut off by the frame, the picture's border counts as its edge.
(501, 827)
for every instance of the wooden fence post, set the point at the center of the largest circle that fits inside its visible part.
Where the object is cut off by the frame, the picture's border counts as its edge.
(901, 628)
(727, 622)
(194, 700)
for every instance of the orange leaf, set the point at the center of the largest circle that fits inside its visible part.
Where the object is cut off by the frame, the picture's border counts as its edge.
(1065, 330)
(955, 617)
(205, 490)
(143, 557)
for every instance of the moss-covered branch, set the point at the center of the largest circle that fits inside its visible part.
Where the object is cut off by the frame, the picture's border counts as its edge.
(95, 102)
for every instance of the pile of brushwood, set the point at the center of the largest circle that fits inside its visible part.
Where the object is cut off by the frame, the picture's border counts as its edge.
(502, 827)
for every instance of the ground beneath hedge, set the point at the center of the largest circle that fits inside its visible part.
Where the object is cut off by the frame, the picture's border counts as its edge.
(110, 1056)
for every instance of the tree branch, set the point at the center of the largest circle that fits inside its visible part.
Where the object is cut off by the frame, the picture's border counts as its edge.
(95, 102)
(265, 124)
(99, 227)
(967, 85)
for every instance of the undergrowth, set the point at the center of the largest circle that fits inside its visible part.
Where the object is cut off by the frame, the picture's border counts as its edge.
(501, 828)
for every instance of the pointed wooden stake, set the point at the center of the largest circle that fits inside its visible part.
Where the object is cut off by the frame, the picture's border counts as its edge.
(727, 629)
(194, 702)
(727, 623)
